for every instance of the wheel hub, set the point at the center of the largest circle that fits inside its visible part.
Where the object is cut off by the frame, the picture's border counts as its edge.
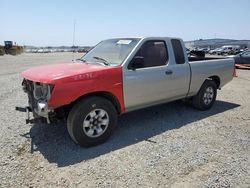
(96, 123)
(208, 95)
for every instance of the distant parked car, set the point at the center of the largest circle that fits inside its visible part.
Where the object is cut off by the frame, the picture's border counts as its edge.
(46, 50)
(215, 51)
(206, 50)
(28, 50)
(225, 50)
(243, 58)
(40, 51)
(34, 50)
(82, 50)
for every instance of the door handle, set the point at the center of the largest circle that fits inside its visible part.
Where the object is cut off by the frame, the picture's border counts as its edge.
(168, 72)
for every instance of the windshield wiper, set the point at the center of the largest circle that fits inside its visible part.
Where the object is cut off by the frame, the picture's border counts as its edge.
(105, 62)
(83, 60)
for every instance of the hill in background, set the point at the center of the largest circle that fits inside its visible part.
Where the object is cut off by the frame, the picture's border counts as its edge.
(216, 42)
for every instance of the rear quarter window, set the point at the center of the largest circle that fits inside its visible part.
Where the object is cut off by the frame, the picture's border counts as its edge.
(178, 51)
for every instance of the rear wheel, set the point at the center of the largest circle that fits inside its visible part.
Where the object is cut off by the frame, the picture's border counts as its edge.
(91, 121)
(205, 98)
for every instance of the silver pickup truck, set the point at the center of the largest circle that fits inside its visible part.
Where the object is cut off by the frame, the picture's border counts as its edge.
(159, 70)
(118, 76)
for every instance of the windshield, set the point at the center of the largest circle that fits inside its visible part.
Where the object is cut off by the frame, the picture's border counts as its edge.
(110, 52)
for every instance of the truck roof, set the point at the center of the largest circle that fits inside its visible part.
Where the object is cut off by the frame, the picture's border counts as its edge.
(146, 37)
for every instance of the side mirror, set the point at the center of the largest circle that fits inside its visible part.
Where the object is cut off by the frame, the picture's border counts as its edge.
(137, 62)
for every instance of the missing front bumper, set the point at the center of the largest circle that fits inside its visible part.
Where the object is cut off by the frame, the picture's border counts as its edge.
(28, 110)
(41, 118)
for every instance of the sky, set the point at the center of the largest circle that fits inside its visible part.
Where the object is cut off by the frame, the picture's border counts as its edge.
(51, 22)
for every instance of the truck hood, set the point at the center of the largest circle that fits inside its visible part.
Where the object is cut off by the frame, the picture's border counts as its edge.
(51, 73)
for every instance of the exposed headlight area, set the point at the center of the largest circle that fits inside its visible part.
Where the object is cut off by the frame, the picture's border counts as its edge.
(38, 94)
(42, 91)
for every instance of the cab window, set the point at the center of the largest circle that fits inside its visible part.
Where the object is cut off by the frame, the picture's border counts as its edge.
(152, 53)
(178, 51)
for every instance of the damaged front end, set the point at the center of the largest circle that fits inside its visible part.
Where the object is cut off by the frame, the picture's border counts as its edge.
(38, 96)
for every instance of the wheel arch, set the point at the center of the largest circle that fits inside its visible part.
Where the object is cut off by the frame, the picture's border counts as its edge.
(105, 94)
(216, 79)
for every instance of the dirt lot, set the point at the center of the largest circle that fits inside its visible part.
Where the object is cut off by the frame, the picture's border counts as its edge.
(171, 145)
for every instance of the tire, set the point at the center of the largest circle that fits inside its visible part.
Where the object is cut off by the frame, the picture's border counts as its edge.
(91, 121)
(206, 96)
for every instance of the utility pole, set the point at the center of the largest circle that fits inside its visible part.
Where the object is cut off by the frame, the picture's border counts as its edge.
(74, 40)
(74, 33)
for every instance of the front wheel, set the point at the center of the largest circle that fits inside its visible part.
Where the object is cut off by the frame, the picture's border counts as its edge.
(91, 121)
(205, 98)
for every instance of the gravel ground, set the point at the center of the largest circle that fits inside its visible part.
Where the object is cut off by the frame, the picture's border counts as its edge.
(170, 145)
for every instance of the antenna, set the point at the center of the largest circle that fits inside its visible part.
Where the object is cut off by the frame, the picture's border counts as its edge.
(74, 40)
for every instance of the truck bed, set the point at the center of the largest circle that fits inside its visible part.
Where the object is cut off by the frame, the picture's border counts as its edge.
(221, 68)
